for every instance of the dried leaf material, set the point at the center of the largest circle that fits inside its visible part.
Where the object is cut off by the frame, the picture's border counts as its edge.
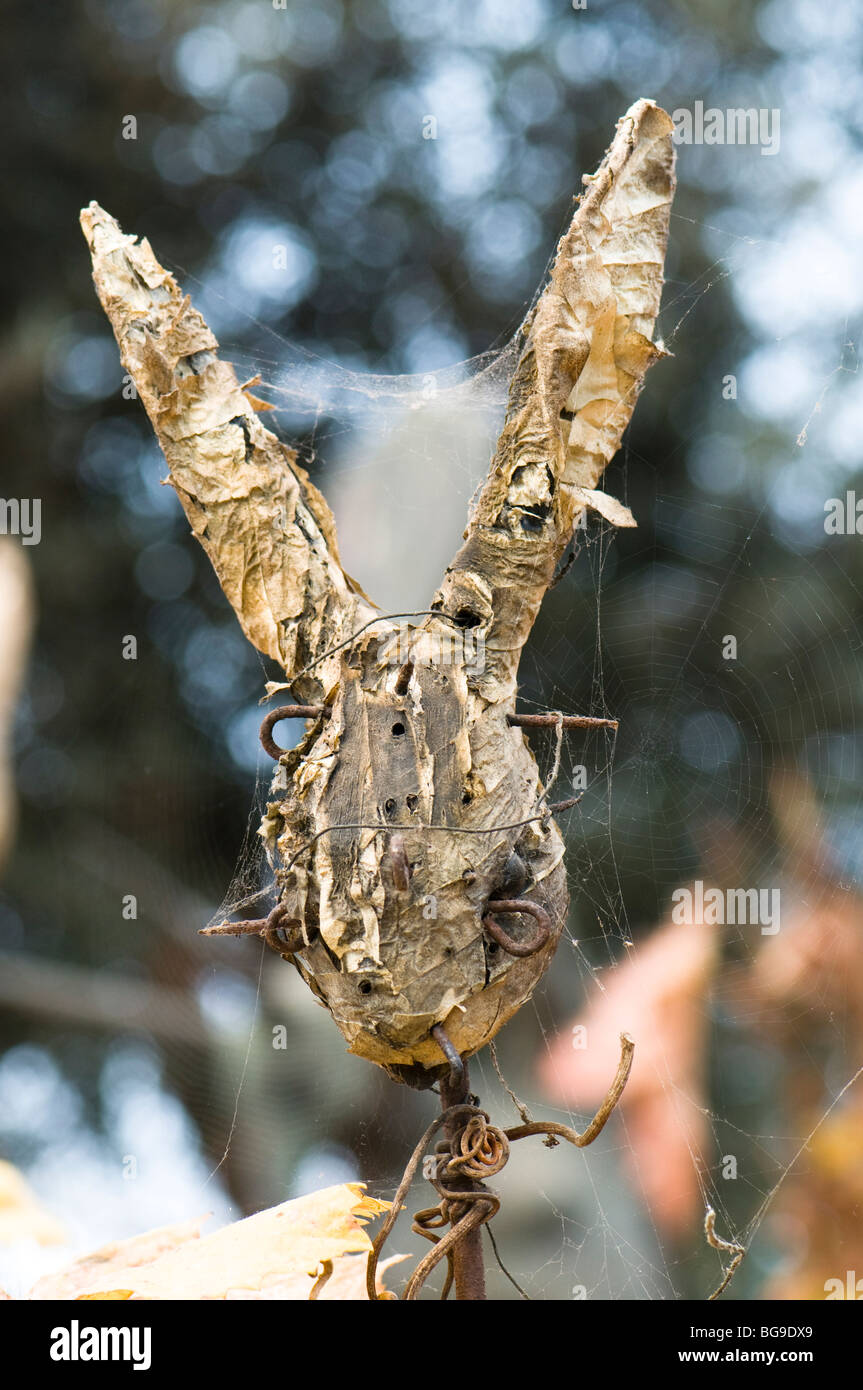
(589, 343)
(267, 530)
(99, 1264)
(342, 1281)
(412, 804)
(278, 1249)
(22, 1217)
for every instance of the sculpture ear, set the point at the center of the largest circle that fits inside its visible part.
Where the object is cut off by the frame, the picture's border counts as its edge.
(267, 530)
(588, 344)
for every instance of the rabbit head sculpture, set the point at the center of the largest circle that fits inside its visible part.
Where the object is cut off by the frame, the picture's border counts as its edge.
(420, 875)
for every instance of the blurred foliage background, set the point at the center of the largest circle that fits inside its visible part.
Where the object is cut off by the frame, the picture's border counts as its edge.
(138, 1081)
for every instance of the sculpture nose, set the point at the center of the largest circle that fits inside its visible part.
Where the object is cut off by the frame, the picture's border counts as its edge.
(397, 861)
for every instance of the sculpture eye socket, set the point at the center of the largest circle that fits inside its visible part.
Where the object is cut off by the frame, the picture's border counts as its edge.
(514, 877)
(466, 617)
(365, 986)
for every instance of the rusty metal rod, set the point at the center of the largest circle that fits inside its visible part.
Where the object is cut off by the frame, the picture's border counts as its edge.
(456, 1061)
(289, 943)
(567, 721)
(275, 717)
(467, 1256)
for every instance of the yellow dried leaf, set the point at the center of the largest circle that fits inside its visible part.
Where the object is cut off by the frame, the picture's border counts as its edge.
(257, 404)
(281, 1246)
(101, 1265)
(346, 1283)
(117, 1295)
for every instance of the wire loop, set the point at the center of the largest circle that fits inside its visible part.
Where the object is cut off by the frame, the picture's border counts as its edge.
(497, 933)
(275, 717)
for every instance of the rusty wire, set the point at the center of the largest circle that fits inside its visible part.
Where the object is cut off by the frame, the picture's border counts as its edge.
(451, 1052)
(479, 1151)
(401, 1193)
(275, 716)
(511, 946)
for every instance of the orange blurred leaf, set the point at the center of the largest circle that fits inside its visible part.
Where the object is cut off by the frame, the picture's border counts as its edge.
(658, 996)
